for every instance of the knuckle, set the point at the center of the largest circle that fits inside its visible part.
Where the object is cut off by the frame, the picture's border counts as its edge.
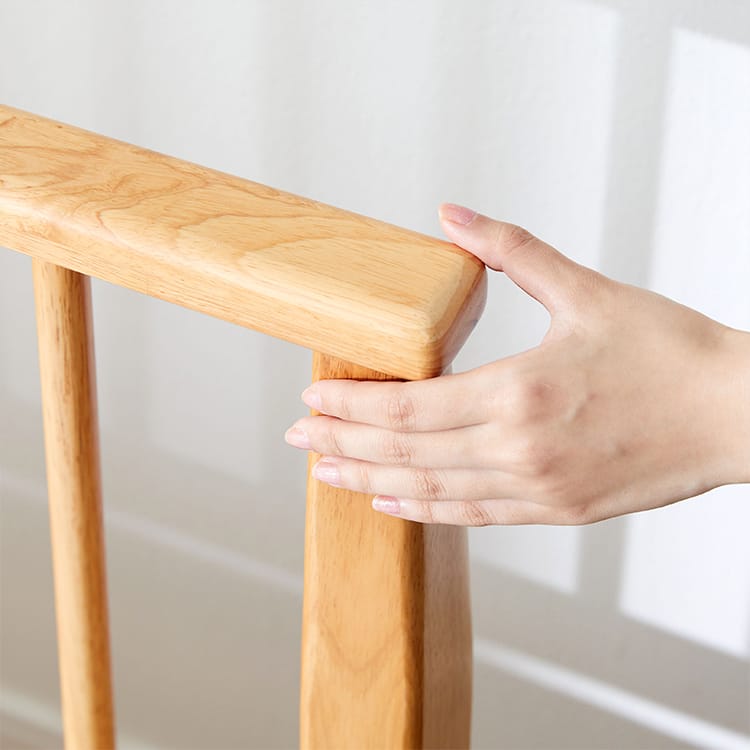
(530, 399)
(511, 237)
(535, 457)
(333, 444)
(365, 478)
(343, 410)
(397, 449)
(400, 410)
(428, 485)
(581, 514)
(474, 514)
(427, 514)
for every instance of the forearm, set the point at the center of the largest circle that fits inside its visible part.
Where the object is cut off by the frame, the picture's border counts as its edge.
(737, 406)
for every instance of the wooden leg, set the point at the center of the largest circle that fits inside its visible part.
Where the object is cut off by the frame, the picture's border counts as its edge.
(63, 307)
(386, 629)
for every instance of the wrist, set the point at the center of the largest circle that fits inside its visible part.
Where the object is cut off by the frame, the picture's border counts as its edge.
(734, 387)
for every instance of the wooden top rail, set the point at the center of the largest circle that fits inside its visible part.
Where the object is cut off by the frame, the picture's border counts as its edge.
(368, 292)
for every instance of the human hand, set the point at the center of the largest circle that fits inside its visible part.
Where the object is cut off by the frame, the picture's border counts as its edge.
(630, 402)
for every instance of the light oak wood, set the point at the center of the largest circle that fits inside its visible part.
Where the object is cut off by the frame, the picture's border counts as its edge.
(386, 652)
(325, 278)
(386, 630)
(63, 308)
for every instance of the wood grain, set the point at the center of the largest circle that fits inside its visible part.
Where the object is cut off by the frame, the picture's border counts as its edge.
(386, 629)
(63, 308)
(325, 278)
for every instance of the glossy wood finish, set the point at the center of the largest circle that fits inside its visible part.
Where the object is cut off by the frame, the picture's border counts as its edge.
(66, 360)
(328, 279)
(386, 634)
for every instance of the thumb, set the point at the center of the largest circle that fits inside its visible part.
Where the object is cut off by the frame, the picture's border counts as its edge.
(536, 267)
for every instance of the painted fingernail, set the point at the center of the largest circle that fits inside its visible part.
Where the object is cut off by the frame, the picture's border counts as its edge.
(297, 437)
(456, 214)
(386, 504)
(311, 397)
(327, 471)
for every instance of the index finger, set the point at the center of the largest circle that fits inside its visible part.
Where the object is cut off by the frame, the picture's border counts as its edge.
(440, 403)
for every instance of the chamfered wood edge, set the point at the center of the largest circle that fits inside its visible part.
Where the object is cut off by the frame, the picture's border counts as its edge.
(410, 342)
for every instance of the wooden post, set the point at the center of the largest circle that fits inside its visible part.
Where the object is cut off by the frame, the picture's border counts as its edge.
(386, 629)
(63, 307)
(386, 633)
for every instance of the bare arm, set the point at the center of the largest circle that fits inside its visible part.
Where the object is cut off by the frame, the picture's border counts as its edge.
(630, 402)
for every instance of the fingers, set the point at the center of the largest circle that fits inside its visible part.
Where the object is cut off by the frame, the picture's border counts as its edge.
(463, 513)
(440, 403)
(539, 269)
(465, 447)
(419, 482)
(483, 512)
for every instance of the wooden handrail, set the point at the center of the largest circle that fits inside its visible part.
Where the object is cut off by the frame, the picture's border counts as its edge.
(386, 638)
(359, 289)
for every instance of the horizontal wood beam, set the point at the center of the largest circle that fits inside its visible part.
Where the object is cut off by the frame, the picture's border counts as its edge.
(362, 290)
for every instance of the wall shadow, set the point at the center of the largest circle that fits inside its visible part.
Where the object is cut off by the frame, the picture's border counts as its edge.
(586, 632)
(184, 632)
(605, 644)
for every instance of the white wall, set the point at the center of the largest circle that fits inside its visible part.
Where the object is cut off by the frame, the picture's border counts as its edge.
(618, 130)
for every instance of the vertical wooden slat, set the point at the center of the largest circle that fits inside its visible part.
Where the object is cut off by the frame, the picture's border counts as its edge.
(386, 631)
(63, 307)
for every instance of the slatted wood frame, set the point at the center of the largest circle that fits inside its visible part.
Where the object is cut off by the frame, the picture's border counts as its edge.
(386, 644)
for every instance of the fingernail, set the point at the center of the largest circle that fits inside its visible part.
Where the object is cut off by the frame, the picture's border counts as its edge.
(327, 471)
(311, 397)
(456, 214)
(386, 504)
(297, 437)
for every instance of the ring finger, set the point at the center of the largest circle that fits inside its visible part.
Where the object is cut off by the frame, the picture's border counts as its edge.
(416, 482)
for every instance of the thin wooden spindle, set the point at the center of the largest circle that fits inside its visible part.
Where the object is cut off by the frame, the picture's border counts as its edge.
(386, 624)
(63, 307)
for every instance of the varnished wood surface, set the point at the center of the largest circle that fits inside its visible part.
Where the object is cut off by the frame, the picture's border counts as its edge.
(63, 308)
(328, 279)
(386, 633)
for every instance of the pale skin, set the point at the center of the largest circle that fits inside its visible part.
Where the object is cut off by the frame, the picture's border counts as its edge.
(630, 402)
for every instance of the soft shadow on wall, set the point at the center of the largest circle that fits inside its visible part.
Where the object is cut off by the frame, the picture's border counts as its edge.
(647, 685)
